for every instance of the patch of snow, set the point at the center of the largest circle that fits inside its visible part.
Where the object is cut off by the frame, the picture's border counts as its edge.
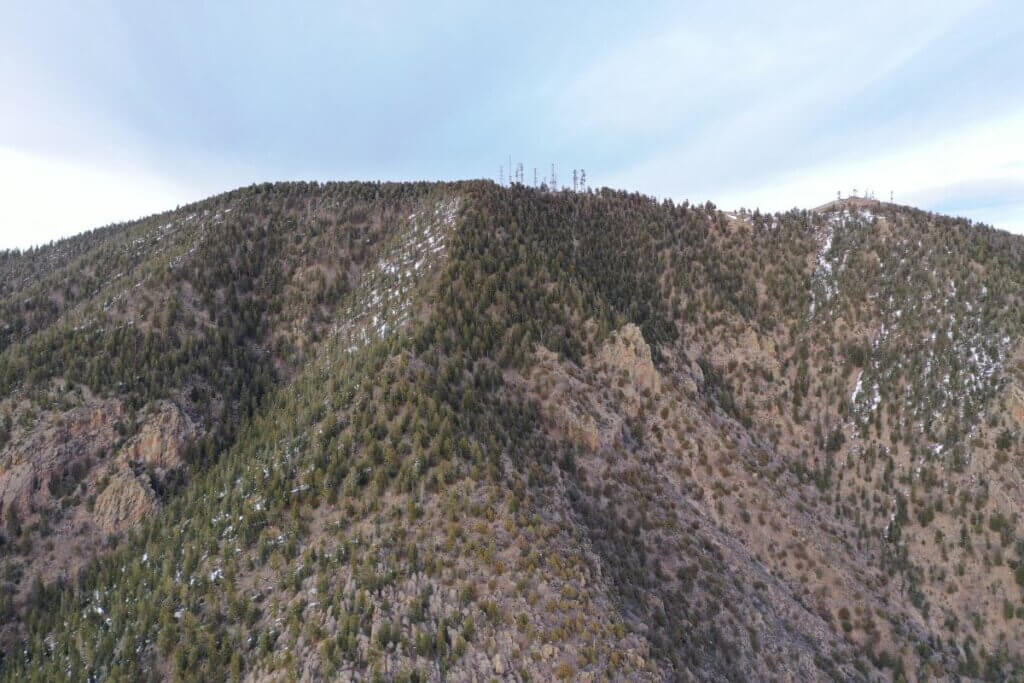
(856, 389)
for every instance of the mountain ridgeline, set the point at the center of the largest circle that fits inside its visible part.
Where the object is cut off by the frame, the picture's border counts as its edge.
(458, 431)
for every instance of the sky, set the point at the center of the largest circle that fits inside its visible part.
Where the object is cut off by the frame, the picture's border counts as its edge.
(115, 110)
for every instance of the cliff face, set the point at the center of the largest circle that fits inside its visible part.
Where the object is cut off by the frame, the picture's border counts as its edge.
(63, 459)
(48, 458)
(161, 440)
(73, 476)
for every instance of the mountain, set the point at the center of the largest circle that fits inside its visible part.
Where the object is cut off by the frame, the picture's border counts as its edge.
(462, 431)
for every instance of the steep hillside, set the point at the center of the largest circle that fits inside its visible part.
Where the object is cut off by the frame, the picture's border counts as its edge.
(131, 355)
(461, 431)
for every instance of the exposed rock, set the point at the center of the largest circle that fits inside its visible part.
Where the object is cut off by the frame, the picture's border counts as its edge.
(17, 485)
(1015, 405)
(627, 350)
(124, 502)
(499, 666)
(51, 447)
(1015, 386)
(578, 412)
(698, 373)
(162, 439)
(582, 428)
(749, 341)
(573, 419)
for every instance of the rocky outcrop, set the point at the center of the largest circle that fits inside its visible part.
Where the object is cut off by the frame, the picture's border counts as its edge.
(75, 468)
(60, 451)
(627, 350)
(1015, 386)
(577, 409)
(55, 447)
(124, 502)
(162, 439)
(159, 444)
(571, 417)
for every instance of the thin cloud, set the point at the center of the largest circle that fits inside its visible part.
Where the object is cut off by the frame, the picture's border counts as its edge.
(742, 103)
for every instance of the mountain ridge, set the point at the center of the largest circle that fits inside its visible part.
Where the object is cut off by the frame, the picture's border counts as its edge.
(605, 397)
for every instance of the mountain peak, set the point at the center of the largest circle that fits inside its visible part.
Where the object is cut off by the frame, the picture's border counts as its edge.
(434, 431)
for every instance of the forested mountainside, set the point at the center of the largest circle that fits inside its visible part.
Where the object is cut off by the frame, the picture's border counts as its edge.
(462, 431)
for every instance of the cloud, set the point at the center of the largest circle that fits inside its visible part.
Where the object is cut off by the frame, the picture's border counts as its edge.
(743, 103)
(973, 168)
(982, 193)
(996, 201)
(780, 116)
(43, 199)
